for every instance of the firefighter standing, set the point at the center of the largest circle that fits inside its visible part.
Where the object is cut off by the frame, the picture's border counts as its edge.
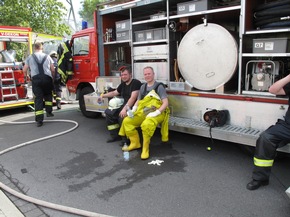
(57, 88)
(274, 137)
(128, 90)
(65, 63)
(42, 73)
(150, 110)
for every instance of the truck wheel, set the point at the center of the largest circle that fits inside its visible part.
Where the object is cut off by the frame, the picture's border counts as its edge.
(82, 105)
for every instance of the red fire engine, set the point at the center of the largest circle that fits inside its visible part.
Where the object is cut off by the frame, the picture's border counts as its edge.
(210, 54)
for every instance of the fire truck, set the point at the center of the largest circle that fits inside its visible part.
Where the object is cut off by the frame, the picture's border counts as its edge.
(13, 82)
(15, 90)
(220, 55)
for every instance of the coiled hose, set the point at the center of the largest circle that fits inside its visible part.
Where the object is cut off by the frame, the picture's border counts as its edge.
(37, 201)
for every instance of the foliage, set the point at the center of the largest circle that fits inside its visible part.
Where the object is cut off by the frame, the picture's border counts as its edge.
(43, 16)
(87, 12)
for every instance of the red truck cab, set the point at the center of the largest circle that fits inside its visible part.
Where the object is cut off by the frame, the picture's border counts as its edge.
(85, 66)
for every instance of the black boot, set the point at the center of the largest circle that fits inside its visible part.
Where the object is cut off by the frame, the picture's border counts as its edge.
(114, 139)
(124, 141)
(58, 104)
(255, 184)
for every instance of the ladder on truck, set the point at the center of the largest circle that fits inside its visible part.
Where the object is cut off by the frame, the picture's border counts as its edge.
(7, 82)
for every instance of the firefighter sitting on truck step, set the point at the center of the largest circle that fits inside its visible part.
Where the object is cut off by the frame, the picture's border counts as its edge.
(276, 136)
(117, 110)
(150, 110)
(42, 73)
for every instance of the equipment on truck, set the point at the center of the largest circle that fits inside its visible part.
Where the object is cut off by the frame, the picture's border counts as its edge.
(198, 60)
(199, 50)
(263, 75)
(15, 89)
(13, 83)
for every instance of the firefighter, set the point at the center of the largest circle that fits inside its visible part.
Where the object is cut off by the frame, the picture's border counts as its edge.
(117, 110)
(65, 66)
(150, 110)
(42, 73)
(274, 137)
(57, 88)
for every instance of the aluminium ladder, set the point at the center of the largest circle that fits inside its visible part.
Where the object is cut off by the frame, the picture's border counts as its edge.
(7, 82)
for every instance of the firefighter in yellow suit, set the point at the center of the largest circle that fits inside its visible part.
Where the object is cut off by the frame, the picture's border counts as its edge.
(150, 110)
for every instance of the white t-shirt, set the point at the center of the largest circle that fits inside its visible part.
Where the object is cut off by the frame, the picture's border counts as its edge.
(34, 67)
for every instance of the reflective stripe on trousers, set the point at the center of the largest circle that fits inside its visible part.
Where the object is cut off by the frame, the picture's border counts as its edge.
(113, 126)
(48, 103)
(263, 163)
(41, 112)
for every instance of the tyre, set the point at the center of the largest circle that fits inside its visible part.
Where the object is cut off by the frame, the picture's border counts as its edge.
(88, 114)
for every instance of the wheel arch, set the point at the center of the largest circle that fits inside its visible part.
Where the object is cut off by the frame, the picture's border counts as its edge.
(82, 86)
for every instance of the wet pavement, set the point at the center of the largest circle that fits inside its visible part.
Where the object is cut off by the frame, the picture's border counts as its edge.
(80, 170)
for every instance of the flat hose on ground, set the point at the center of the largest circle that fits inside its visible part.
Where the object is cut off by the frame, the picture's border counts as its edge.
(37, 201)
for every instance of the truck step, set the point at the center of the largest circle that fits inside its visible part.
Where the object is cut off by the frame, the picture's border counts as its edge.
(230, 133)
(243, 135)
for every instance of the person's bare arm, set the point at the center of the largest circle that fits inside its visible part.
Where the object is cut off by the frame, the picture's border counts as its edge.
(52, 69)
(25, 69)
(130, 103)
(277, 87)
(164, 105)
(133, 98)
(110, 94)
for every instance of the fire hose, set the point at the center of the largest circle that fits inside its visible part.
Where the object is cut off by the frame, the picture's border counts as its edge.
(37, 201)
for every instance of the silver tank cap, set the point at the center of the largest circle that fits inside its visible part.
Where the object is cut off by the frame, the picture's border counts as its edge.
(207, 56)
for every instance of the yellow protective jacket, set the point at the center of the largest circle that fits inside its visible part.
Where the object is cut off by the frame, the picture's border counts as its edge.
(153, 100)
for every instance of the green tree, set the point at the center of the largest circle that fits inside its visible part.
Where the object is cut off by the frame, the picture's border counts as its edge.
(44, 16)
(87, 12)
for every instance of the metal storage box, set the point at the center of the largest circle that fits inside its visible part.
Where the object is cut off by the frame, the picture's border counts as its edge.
(139, 36)
(159, 33)
(120, 36)
(151, 52)
(270, 45)
(94, 102)
(123, 25)
(193, 6)
(150, 34)
(157, 16)
(177, 86)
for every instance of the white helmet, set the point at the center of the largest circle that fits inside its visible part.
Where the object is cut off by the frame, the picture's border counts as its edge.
(116, 103)
(53, 54)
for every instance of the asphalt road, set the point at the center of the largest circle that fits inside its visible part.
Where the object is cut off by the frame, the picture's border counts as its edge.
(79, 169)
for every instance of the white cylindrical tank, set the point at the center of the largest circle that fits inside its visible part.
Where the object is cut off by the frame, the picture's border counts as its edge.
(207, 56)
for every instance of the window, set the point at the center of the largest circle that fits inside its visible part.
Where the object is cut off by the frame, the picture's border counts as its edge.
(81, 46)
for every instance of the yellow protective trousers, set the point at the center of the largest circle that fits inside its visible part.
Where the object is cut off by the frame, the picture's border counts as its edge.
(148, 125)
